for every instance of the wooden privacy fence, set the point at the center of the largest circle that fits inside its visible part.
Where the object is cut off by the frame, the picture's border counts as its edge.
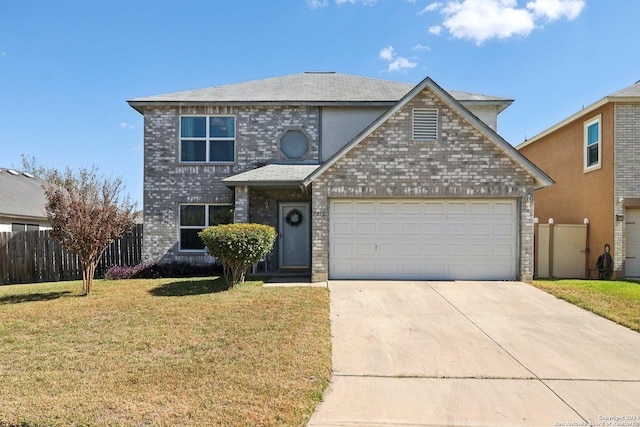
(35, 256)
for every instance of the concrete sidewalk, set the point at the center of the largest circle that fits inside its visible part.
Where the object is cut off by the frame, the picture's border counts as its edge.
(474, 354)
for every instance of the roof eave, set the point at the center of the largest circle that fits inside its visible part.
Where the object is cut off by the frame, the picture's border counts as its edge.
(501, 105)
(250, 183)
(141, 105)
(565, 122)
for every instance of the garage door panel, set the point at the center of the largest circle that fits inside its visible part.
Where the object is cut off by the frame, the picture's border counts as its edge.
(388, 227)
(423, 239)
(342, 207)
(341, 227)
(365, 208)
(411, 227)
(364, 249)
(504, 249)
(365, 228)
(504, 208)
(387, 249)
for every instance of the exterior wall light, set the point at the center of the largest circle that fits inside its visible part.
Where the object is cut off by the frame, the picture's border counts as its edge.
(528, 199)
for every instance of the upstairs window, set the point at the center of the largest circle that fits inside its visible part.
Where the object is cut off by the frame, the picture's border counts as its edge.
(425, 124)
(592, 144)
(207, 139)
(195, 218)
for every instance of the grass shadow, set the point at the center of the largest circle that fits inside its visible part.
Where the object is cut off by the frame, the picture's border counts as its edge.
(17, 299)
(190, 287)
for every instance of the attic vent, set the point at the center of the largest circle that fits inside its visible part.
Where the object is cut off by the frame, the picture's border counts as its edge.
(12, 172)
(425, 124)
(27, 174)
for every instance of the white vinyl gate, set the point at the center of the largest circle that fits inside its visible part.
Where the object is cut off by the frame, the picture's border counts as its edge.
(423, 239)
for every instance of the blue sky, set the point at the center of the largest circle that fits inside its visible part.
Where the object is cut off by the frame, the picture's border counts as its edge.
(68, 67)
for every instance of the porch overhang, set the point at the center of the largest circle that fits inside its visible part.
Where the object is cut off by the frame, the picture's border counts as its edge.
(274, 175)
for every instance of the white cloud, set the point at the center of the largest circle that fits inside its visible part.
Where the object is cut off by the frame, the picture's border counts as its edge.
(400, 64)
(556, 9)
(125, 125)
(481, 20)
(420, 47)
(396, 63)
(365, 2)
(387, 53)
(3, 55)
(314, 4)
(433, 6)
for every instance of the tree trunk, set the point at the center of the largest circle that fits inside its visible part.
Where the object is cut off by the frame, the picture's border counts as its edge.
(88, 270)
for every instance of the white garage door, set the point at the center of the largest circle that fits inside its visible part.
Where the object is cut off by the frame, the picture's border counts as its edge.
(423, 239)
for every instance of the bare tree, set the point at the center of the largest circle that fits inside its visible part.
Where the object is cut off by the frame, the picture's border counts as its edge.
(51, 175)
(87, 214)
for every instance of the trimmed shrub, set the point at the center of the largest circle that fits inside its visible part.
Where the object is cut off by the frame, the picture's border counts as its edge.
(163, 270)
(238, 246)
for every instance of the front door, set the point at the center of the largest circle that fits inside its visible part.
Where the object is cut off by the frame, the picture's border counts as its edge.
(295, 235)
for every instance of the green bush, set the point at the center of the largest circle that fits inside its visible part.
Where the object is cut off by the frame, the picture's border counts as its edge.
(238, 246)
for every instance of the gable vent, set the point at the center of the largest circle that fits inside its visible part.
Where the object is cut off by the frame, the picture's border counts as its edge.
(425, 124)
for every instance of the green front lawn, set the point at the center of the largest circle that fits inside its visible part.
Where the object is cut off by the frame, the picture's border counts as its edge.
(162, 352)
(616, 300)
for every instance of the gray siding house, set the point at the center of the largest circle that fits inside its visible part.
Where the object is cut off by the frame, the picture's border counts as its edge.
(22, 202)
(362, 178)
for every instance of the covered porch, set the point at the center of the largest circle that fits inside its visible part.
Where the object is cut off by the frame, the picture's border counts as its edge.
(275, 195)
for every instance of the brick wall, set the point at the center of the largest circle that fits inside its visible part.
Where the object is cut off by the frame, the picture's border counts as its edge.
(167, 183)
(388, 163)
(627, 172)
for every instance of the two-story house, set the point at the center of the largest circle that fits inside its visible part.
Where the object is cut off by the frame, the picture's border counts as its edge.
(362, 178)
(594, 157)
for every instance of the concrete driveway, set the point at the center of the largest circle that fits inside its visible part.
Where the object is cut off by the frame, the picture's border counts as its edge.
(475, 354)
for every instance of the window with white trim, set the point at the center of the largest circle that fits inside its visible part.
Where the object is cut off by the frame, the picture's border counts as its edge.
(207, 139)
(425, 124)
(195, 218)
(18, 226)
(592, 144)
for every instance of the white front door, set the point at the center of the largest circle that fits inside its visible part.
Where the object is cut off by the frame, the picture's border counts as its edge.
(295, 235)
(633, 243)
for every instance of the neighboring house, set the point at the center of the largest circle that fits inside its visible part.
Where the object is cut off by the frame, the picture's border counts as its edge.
(362, 178)
(22, 202)
(594, 156)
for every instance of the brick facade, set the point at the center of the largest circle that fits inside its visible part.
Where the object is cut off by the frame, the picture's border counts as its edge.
(462, 163)
(626, 172)
(168, 183)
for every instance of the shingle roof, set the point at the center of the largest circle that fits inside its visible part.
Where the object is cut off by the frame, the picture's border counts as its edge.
(274, 174)
(309, 87)
(630, 91)
(21, 195)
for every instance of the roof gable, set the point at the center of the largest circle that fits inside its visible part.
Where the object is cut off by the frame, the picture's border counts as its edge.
(541, 179)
